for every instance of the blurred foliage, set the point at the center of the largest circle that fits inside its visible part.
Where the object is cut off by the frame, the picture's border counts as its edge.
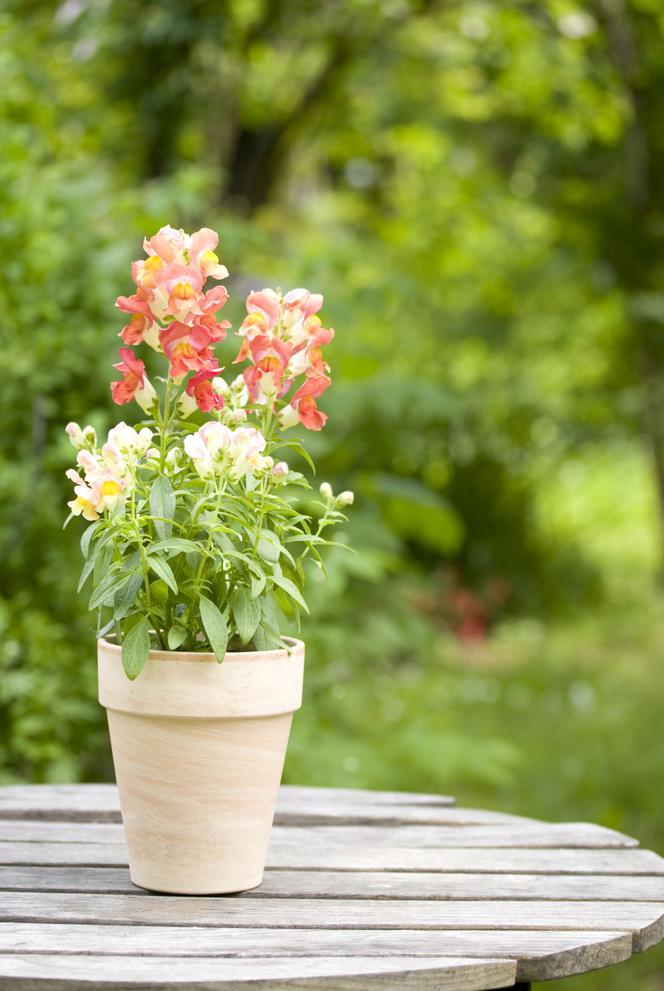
(477, 189)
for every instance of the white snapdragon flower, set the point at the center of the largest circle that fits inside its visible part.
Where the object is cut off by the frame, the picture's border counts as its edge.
(128, 440)
(208, 448)
(247, 449)
(215, 449)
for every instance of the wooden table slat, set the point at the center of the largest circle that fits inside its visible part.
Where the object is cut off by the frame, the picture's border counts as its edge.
(454, 860)
(645, 920)
(100, 803)
(365, 884)
(292, 838)
(65, 973)
(545, 954)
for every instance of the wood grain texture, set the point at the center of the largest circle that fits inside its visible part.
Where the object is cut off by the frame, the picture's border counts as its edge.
(549, 954)
(291, 838)
(364, 884)
(64, 973)
(295, 805)
(645, 920)
(453, 860)
(521, 836)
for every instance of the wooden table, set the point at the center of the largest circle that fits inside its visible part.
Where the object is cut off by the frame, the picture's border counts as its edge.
(363, 889)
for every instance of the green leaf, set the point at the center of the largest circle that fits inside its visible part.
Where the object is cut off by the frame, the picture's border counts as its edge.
(162, 504)
(135, 648)
(270, 618)
(87, 537)
(86, 571)
(258, 581)
(126, 596)
(215, 627)
(302, 451)
(266, 639)
(246, 613)
(107, 588)
(291, 589)
(268, 546)
(176, 637)
(176, 545)
(102, 556)
(163, 571)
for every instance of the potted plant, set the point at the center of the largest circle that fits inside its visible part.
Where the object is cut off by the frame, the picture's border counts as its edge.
(195, 551)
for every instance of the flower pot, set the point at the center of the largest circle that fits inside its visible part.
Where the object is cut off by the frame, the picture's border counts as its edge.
(198, 749)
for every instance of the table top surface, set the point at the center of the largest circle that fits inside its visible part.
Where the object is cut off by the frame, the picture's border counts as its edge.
(362, 889)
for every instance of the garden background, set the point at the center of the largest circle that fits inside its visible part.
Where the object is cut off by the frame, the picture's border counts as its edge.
(477, 189)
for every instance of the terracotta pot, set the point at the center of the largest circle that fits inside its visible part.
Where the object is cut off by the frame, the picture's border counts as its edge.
(198, 749)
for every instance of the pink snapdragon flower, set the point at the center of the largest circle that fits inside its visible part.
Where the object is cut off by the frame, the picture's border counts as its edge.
(142, 326)
(303, 407)
(201, 389)
(187, 349)
(283, 339)
(134, 384)
(171, 245)
(170, 291)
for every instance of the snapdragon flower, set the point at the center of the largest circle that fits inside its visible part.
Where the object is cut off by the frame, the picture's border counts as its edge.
(283, 339)
(215, 449)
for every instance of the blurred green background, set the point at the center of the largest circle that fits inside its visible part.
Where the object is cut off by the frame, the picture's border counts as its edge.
(477, 189)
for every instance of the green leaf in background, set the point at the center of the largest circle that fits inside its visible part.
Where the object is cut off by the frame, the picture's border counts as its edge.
(135, 648)
(176, 637)
(215, 627)
(246, 613)
(162, 504)
(163, 571)
(416, 512)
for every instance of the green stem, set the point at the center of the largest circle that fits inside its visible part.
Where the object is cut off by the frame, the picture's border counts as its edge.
(204, 556)
(165, 424)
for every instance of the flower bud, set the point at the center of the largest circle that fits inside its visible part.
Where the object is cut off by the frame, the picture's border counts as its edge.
(146, 396)
(90, 437)
(288, 417)
(236, 416)
(326, 490)
(75, 435)
(280, 470)
(346, 498)
(186, 405)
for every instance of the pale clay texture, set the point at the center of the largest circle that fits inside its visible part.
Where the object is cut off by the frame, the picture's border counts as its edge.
(198, 749)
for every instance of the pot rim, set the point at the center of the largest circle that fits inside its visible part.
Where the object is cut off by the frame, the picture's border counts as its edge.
(274, 653)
